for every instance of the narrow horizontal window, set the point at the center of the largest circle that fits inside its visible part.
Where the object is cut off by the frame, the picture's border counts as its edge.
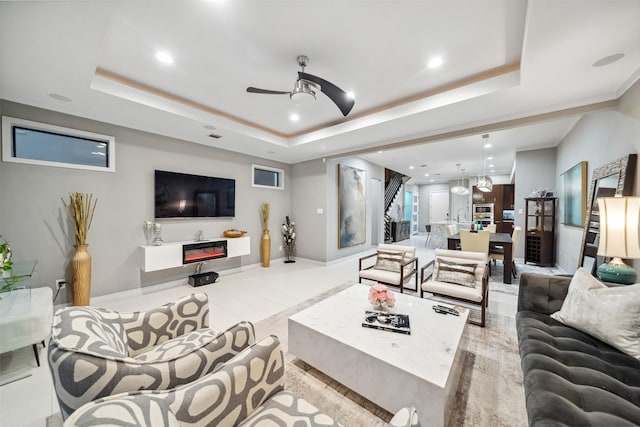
(24, 141)
(266, 177)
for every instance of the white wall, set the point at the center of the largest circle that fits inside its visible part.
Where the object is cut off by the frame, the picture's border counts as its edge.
(597, 138)
(33, 220)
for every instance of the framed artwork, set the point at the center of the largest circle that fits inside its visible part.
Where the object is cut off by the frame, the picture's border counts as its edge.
(351, 207)
(574, 196)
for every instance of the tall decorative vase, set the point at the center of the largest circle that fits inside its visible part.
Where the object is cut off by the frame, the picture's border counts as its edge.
(81, 266)
(266, 248)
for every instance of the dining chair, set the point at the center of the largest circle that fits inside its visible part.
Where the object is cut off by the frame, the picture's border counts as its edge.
(428, 230)
(452, 230)
(491, 228)
(497, 252)
(475, 241)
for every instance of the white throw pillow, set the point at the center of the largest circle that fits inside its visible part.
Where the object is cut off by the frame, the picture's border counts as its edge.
(611, 314)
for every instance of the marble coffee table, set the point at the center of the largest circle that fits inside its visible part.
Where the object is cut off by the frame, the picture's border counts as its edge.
(391, 369)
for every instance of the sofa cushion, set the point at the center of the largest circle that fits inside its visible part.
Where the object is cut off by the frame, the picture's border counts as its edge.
(457, 273)
(572, 378)
(610, 314)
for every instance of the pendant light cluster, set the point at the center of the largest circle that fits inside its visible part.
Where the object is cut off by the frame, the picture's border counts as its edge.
(459, 188)
(484, 181)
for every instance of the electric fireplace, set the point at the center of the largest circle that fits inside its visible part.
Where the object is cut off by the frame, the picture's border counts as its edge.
(204, 251)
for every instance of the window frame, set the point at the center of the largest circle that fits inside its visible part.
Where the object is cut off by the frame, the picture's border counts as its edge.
(8, 155)
(280, 173)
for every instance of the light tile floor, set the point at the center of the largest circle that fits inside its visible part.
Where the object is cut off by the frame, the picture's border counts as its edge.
(252, 294)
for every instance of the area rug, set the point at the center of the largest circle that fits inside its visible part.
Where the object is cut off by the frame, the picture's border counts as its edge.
(490, 391)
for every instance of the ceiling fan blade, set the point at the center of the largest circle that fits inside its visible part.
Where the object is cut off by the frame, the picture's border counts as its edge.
(337, 95)
(252, 89)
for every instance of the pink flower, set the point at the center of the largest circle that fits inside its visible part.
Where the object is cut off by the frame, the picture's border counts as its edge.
(379, 294)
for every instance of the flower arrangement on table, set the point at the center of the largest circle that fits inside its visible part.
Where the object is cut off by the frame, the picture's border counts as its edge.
(380, 295)
(289, 238)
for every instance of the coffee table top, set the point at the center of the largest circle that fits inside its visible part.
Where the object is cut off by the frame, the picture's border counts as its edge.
(428, 352)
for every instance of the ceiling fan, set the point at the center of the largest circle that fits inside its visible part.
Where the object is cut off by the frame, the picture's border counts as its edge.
(304, 91)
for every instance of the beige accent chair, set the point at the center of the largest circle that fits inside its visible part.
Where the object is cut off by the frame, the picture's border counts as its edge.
(458, 275)
(394, 265)
(497, 252)
(475, 241)
(491, 228)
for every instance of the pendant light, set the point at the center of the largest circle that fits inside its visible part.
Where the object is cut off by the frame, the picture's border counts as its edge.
(484, 181)
(459, 188)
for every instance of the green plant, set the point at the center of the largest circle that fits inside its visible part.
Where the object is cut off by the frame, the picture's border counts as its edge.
(8, 282)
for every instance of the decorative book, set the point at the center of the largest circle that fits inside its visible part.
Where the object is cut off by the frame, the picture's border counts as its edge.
(393, 322)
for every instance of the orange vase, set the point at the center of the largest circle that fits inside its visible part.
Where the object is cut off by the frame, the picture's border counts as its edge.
(81, 270)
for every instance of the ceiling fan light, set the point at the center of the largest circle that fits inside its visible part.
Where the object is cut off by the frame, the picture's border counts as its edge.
(302, 94)
(485, 184)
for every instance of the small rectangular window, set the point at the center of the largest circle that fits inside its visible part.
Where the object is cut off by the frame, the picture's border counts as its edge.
(266, 177)
(24, 141)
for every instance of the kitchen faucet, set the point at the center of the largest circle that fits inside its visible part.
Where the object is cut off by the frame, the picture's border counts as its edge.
(464, 212)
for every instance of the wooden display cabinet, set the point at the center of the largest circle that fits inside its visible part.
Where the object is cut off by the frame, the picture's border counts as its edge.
(540, 222)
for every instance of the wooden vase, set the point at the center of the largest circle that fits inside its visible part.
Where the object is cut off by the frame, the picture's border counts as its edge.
(81, 270)
(266, 248)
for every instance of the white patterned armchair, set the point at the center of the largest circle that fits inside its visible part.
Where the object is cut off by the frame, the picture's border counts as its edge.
(94, 353)
(246, 391)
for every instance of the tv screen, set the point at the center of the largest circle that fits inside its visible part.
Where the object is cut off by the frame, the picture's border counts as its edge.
(180, 195)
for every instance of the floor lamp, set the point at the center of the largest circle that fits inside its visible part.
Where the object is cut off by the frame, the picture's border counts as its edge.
(619, 227)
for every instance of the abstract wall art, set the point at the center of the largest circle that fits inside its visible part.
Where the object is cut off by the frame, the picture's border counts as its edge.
(351, 206)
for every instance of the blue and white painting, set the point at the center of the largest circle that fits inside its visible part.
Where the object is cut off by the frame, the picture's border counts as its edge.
(352, 207)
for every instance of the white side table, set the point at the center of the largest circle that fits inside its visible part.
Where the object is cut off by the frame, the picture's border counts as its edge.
(25, 319)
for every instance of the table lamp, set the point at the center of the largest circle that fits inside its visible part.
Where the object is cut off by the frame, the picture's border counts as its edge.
(619, 218)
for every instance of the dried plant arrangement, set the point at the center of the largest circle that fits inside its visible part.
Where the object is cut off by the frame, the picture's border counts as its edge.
(81, 208)
(265, 216)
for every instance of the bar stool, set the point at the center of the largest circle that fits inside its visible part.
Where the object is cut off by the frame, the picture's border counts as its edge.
(428, 230)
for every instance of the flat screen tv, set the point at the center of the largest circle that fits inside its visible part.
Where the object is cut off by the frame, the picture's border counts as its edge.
(180, 195)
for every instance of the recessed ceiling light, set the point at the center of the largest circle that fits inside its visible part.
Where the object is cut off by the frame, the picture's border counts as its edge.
(59, 97)
(431, 180)
(294, 117)
(435, 62)
(492, 171)
(426, 174)
(491, 166)
(380, 151)
(164, 57)
(487, 145)
(351, 95)
(410, 167)
(608, 60)
(490, 158)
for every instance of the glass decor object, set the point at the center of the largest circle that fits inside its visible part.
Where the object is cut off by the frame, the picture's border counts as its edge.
(619, 218)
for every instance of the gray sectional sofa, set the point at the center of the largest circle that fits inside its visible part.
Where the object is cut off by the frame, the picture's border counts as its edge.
(570, 378)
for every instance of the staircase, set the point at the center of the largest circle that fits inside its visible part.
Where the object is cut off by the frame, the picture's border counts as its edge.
(392, 186)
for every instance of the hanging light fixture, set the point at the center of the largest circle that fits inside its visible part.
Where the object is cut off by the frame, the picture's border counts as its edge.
(484, 181)
(459, 188)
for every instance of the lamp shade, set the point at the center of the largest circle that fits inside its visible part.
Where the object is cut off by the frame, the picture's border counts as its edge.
(484, 183)
(619, 227)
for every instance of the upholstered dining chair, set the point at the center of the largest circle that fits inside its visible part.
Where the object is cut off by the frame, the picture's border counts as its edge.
(452, 230)
(491, 228)
(458, 275)
(95, 352)
(475, 241)
(427, 228)
(497, 252)
(393, 265)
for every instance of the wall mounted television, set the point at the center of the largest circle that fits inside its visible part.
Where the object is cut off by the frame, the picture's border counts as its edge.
(180, 195)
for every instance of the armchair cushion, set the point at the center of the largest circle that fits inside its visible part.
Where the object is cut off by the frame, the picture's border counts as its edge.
(457, 273)
(462, 292)
(389, 261)
(89, 359)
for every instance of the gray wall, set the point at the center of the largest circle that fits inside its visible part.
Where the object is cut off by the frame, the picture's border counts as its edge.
(308, 194)
(597, 138)
(33, 220)
(536, 170)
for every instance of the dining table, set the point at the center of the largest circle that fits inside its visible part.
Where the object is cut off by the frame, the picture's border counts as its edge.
(502, 240)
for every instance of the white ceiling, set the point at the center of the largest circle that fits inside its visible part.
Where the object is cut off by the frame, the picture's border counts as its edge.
(517, 70)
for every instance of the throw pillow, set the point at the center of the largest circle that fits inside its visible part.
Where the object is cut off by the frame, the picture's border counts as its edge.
(389, 261)
(456, 273)
(610, 314)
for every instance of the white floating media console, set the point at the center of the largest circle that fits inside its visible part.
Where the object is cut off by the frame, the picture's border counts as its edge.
(171, 255)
